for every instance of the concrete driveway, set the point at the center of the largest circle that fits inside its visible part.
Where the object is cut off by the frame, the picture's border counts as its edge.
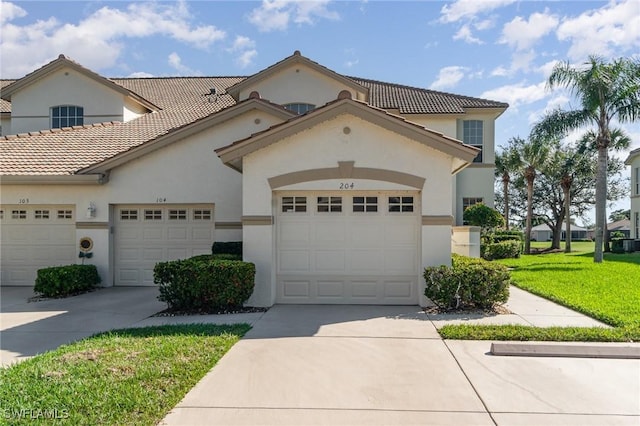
(386, 365)
(29, 328)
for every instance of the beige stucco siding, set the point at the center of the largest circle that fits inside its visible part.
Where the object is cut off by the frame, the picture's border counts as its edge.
(297, 84)
(31, 105)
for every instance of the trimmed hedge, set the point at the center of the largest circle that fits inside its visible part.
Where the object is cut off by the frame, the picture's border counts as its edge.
(507, 249)
(468, 283)
(62, 281)
(227, 247)
(204, 283)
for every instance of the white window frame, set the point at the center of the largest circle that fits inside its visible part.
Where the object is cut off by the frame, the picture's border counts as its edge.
(293, 204)
(333, 204)
(473, 134)
(75, 119)
(404, 204)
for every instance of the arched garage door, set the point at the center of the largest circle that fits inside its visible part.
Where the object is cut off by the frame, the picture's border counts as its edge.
(152, 233)
(348, 247)
(34, 237)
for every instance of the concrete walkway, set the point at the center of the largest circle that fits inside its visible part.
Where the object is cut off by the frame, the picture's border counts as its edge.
(353, 365)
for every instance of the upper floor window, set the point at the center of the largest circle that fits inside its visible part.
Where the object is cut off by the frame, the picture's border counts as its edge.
(472, 135)
(637, 181)
(299, 108)
(66, 116)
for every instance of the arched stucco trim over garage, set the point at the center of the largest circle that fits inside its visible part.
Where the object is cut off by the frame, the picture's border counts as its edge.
(347, 169)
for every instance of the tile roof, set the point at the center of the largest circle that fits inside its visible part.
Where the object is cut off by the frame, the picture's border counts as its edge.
(183, 100)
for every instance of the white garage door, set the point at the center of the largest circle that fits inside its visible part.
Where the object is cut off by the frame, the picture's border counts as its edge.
(34, 237)
(148, 234)
(359, 248)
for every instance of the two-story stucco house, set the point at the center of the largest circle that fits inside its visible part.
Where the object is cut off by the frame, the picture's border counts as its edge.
(342, 189)
(634, 162)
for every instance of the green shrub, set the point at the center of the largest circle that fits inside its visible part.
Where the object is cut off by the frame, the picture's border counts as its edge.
(227, 247)
(467, 283)
(62, 281)
(204, 283)
(483, 216)
(503, 235)
(508, 249)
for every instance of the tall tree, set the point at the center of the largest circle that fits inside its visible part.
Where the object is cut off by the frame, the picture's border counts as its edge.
(507, 163)
(533, 155)
(619, 140)
(605, 91)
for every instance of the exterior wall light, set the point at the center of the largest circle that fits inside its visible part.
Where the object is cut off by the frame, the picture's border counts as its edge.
(91, 210)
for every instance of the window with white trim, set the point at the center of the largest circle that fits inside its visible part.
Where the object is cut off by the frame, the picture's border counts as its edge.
(299, 107)
(66, 116)
(202, 214)
(129, 214)
(472, 134)
(178, 214)
(637, 225)
(470, 201)
(365, 204)
(18, 214)
(41, 214)
(637, 170)
(329, 204)
(65, 214)
(400, 204)
(152, 214)
(294, 204)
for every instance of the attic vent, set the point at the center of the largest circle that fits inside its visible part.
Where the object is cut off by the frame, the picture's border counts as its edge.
(254, 95)
(212, 91)
(344, 94)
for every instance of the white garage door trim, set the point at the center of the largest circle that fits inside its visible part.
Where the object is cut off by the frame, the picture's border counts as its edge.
(348, 247)
(34, 237)
(145, 234)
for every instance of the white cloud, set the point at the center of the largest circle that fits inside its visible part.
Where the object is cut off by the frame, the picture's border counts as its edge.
(10, 11)
(275, 15)
(98, 40)
(484, 24)
(176, 63)
(466, 9)
(547, 67)
(523, 34)
(464, 33)
(140, 74)
(245, 50)
(610, 30)
(517, 94)
(448, 77)
(500, 71)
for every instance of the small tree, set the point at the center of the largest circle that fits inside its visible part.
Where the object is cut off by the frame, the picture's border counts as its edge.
(483, 216)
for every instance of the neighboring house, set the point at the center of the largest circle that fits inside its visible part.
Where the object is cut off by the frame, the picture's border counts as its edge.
(623, 226)
(543, 232)
(634, 162)
(342, 189)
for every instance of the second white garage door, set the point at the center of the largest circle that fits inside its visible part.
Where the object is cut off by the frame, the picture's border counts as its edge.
(348, 247)
(148, 234)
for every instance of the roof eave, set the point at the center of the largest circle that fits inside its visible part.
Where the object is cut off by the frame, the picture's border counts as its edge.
(87, 179)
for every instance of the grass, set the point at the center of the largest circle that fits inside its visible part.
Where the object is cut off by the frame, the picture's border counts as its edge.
(609, 291)
(122, 377)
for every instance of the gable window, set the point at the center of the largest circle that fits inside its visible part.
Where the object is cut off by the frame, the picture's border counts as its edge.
(472, 135)
(66, 116)
(299, 108)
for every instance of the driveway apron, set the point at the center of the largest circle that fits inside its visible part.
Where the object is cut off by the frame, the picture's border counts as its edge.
(313, 365)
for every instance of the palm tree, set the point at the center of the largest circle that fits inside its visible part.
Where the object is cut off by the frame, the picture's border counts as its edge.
(619, 141)
(507, 162)
(606, 91)
(532, 156)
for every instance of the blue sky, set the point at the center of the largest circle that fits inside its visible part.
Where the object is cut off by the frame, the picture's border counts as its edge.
(500, 49)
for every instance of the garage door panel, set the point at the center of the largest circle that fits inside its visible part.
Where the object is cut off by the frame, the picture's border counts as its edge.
(294, 261)
(158, 233)
(369, 255)
(365, 289)
(330, 288)
(296, 288)
(332, 261)
(367, 261)
(33, 239)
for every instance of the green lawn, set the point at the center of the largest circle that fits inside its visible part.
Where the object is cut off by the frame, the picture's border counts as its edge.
(123, 377)
(609, 291)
